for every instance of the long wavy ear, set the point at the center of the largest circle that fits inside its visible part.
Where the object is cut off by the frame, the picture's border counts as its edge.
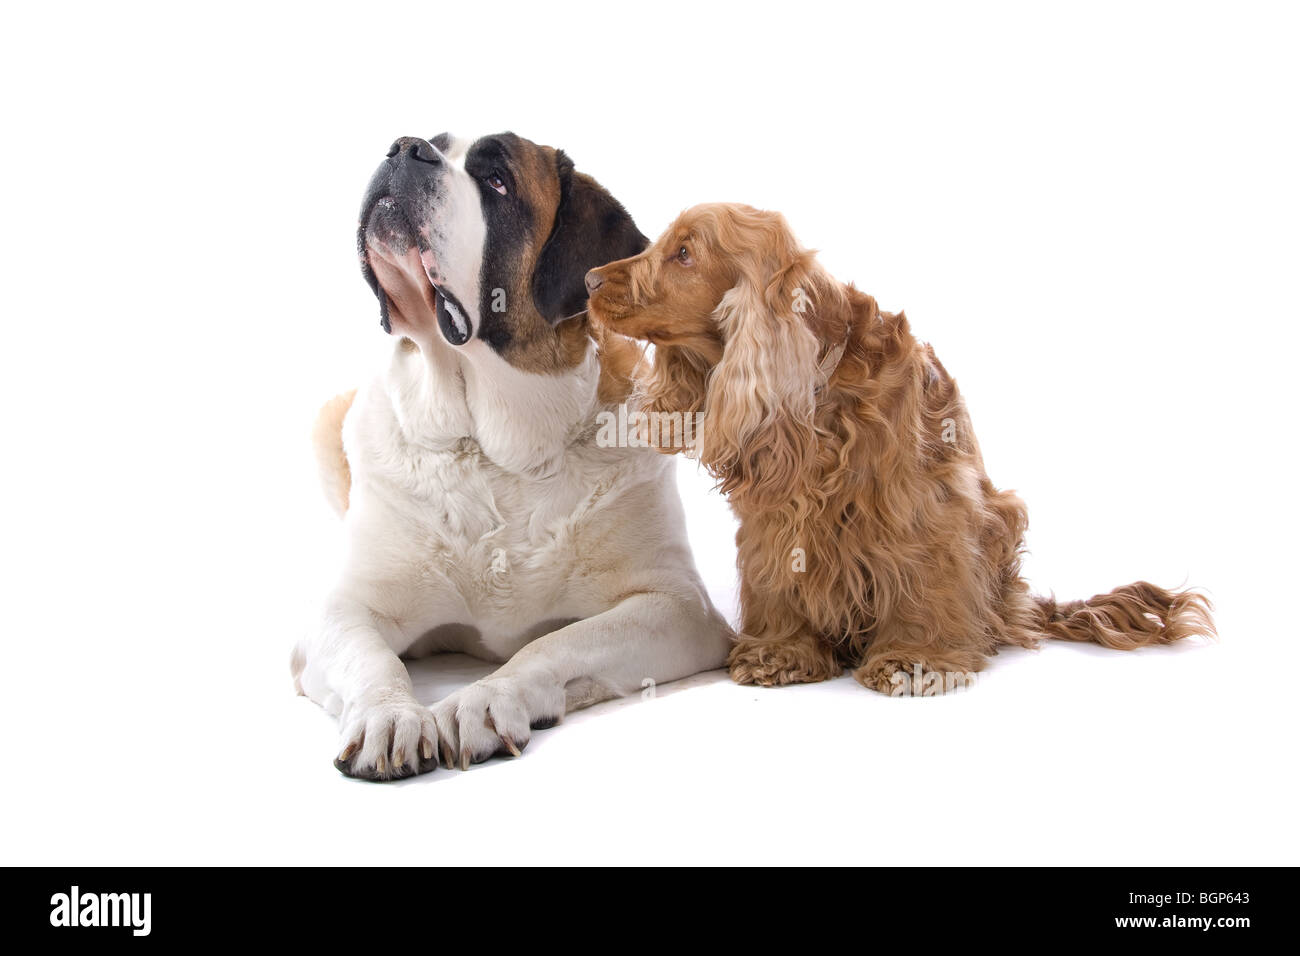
(591, 228)
(758, 433)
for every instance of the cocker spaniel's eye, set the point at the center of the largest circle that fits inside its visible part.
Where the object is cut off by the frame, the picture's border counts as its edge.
(497, 183)
(684, 256)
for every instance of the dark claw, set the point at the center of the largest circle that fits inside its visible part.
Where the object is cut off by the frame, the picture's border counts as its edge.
(372, 774)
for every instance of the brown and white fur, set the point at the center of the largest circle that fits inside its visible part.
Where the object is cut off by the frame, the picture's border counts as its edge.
(481, 514)
(870, 535)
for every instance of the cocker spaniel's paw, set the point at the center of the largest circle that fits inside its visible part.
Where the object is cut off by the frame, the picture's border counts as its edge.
(388, 741)
(495, 715)
(891, 678)
(772, 663)
(906, 678)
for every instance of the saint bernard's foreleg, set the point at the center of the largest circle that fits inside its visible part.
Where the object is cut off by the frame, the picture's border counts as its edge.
(646, 638)
(346, 665)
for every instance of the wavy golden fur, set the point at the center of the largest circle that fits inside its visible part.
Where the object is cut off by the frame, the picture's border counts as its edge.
(870, 535)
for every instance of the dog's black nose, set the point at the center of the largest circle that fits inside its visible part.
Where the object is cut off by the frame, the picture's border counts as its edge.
(416, 148)
(594, 281)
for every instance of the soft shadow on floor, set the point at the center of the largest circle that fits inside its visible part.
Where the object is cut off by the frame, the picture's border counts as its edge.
(438, 675)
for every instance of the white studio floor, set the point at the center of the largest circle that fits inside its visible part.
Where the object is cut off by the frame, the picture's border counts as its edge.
(1072, 755)
(1066, 755)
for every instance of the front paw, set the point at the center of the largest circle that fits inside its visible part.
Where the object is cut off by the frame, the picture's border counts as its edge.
(388, 741)
(901, 677)
(772, 663)
(493, 716)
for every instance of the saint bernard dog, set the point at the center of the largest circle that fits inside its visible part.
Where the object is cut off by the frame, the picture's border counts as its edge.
(481, 513)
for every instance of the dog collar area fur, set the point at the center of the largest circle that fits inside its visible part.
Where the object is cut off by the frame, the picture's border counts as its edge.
(826, 368)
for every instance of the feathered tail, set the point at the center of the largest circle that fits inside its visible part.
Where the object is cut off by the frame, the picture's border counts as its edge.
(1135, 615)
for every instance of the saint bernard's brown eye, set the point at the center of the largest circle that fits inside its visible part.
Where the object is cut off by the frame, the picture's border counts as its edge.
(497, 183)
(684, 256)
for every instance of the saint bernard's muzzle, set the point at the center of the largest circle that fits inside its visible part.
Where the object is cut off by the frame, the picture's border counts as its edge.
(486, 239)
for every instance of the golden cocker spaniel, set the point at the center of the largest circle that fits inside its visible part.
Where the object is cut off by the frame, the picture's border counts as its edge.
(870, 535)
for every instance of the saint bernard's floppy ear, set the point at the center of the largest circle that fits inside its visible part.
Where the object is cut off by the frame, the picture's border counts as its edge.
(591, 228)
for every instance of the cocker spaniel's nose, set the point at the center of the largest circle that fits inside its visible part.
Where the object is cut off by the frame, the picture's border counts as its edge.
(414, 147)
(594, 281)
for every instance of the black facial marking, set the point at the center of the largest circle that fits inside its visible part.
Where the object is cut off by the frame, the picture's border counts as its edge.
(591, 228)
(510, 221)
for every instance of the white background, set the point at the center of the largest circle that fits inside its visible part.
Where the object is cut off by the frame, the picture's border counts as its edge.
(1091, 212)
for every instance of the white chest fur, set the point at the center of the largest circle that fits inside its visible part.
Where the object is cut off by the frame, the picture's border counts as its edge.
(481, 498)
